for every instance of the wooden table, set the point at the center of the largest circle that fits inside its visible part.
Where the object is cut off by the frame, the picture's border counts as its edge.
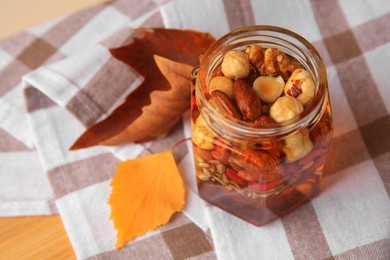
(41, 237)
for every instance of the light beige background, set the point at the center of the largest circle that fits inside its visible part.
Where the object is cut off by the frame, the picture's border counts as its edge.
(17, 15)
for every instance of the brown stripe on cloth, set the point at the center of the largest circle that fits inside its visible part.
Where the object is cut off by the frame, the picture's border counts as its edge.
(376, 136)
(54, 58)
(107, 86)
(239, 13)
(373, 33)
(321, 48)
(65, 29)
(17, 43)
(382, 164)
(186, 241)
(80, 174)
(353, 70)
(358, 83)
(361, 90)
(330, 17)
(156, 247)
(376, 250)
(134, 9)
(8, 143)
(120, 38)
(346, 150)
(36, 53)
(10, 75)
(342, 47)
(36, 100)
(305, 235)
(153, 247)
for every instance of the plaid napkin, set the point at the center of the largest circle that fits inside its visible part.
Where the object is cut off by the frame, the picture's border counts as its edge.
(67, 72)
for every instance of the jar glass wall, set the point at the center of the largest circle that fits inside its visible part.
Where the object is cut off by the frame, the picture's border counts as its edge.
(254, 170)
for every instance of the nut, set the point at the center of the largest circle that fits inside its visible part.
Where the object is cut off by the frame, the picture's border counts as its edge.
(223, 84)
(221, 152)
(285, 108)
(286, 66)
(205, 155)
(270, 62)
(256, 56)
(247, 100)
(203, 177)
(264, 120)
(220, 168)
(235, 65)
(225, 104)
(268, 88)
(201, 135)
(298, 145)
(256, 162)
(300, 85)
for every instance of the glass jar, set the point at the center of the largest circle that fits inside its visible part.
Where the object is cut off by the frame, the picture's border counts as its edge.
(260, 172)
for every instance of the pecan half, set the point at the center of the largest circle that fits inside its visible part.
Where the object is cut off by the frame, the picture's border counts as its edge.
(247, 100)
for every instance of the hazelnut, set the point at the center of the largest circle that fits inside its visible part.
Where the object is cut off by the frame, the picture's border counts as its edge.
(223, 84)
(268, 88)
(298, 145)
(285, 108)
(300, 85)
(235, 65)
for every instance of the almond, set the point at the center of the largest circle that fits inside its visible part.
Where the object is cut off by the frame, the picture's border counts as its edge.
(255, 162)
(225, 104)
(247, 100)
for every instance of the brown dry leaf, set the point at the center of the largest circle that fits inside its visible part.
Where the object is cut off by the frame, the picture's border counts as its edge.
(183, 46)
(166, 107)
(145, 193)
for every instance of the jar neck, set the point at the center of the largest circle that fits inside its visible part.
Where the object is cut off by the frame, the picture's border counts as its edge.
(267, 36)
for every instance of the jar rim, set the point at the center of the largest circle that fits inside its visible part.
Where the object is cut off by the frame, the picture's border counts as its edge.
(249, 129)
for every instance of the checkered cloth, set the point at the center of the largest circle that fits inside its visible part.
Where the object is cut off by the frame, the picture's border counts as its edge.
(67, 69)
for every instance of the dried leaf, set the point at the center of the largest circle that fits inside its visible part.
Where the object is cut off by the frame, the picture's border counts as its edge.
(166, 107)
(145, 193)
(183, 46)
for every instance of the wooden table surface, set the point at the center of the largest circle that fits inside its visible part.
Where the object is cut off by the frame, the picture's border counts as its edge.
(40, 237)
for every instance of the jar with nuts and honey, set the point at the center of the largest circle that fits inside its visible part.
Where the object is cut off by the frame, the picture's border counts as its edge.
(261, 123)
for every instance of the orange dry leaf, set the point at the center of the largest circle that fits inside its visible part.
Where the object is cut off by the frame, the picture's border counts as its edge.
(166, 107)
(145, 193)
(183, 46)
